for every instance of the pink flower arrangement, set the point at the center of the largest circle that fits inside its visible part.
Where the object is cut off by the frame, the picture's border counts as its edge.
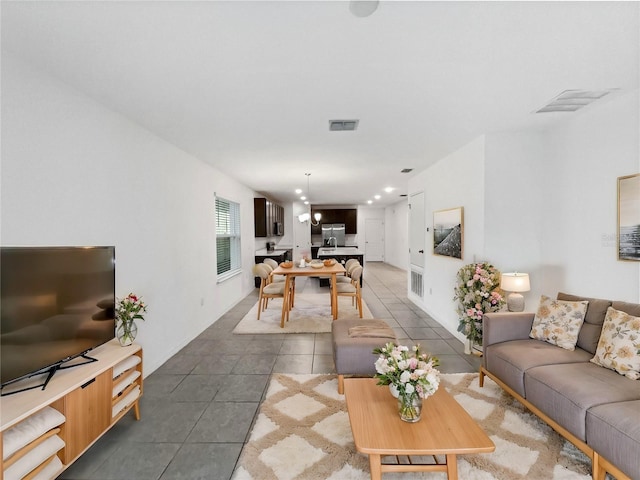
(477, 292)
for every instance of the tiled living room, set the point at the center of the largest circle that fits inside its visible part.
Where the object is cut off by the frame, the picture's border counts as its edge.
(131, 126)
(208, 394)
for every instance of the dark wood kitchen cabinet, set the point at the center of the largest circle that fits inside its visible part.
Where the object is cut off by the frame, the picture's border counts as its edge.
(348, 216)
(268, 218)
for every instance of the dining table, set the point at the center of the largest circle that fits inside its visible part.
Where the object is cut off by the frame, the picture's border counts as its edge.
(307, 271)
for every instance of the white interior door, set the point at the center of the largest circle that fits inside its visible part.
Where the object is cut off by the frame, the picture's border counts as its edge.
(416, 230)
(374, 240)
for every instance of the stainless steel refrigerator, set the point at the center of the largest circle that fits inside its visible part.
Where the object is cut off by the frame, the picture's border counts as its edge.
(333, 234)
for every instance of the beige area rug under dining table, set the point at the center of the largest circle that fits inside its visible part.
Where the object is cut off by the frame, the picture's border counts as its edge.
(310, 314)
(302, 433)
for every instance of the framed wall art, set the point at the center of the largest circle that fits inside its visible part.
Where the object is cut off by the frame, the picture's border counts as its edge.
(629, 218)
(448, 232)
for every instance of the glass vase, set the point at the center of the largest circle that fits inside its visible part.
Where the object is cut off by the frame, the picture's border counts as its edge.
(126, 333)
(410, 407)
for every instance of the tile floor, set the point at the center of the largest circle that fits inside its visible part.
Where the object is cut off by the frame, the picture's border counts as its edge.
(198, 408)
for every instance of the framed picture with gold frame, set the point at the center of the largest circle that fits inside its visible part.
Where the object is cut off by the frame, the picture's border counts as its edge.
(448, 232)
(629, 218)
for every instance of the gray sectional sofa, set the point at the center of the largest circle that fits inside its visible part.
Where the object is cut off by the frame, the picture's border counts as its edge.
(595, 408)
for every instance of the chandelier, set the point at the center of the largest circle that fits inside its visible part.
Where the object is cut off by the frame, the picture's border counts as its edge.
(306, 216)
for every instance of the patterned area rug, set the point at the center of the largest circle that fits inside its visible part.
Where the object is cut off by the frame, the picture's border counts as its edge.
(303, 433)
(310, 314)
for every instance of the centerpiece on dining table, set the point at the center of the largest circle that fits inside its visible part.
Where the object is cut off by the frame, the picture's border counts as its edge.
(411, 376)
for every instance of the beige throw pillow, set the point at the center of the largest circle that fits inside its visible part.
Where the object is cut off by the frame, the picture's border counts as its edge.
(619, 345)
(558, 322)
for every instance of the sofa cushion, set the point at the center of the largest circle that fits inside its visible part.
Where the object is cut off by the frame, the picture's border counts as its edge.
(565, 392)
(510, 360)
(558, 322)
(613, 430)
(593, 320)
(626, 307)
(619, 345)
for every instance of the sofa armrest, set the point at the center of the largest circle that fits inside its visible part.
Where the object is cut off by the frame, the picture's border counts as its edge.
(504, 326)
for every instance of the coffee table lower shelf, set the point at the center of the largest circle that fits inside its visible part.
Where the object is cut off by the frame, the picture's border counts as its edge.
(444, 429)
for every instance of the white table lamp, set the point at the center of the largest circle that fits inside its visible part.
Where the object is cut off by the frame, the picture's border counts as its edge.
(515, 283)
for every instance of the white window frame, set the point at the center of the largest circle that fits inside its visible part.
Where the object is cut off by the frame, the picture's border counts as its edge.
(228, 258)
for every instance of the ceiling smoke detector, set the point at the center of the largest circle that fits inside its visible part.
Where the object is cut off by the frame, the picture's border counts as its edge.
(343, 125)
(572, 100)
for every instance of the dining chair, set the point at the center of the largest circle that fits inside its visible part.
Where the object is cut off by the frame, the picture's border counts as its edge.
(268, 290)
(349, 266)
(271, 268)
(352, 289)
(271, 262)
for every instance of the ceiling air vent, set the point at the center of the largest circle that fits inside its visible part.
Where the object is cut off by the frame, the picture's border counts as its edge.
(406, 170)
(343, 125)
(572, 100)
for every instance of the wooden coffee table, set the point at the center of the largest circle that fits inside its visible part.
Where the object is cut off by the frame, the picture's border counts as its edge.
(444, 429)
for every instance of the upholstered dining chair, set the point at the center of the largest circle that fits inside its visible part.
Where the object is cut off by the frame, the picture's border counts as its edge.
(268, 290)
(273, 278)
(349, 266)
(271, 262)
(352, 289)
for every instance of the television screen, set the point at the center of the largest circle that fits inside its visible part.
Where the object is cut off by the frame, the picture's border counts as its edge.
(56, 303)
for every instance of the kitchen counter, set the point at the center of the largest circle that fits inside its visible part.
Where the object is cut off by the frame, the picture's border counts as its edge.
(341, 254)
(326, 251)
(270, 253)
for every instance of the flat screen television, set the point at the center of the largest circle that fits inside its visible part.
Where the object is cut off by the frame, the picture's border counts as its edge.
(57, 304)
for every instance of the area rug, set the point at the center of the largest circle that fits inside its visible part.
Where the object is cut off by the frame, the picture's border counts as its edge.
(302, 433)
(310, 314)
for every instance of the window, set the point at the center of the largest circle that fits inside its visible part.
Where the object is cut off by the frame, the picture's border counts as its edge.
(227, 238)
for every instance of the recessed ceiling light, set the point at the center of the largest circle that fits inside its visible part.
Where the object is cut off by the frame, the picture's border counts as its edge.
(388, 189)
(298, 191)
(306, 202)
(369, 202)
(377, 197)
(303, 198)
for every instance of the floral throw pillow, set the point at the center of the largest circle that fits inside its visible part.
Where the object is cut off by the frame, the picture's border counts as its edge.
(558, 322)
(619, 345)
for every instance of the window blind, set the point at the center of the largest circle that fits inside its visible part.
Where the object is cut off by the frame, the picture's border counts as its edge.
(227, 237)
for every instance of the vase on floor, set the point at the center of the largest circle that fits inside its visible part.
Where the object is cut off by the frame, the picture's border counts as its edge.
(126, 332)
(409, 407)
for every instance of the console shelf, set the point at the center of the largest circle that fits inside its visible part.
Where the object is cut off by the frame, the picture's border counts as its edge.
(45, 431)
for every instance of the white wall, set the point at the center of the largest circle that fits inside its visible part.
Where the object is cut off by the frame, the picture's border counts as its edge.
(75, 173)
(589, 153)
(542, 202)
(396, 228)
(455, 181)
(516, 189)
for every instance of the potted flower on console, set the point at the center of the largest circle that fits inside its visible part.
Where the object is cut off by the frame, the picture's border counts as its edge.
(128, 310)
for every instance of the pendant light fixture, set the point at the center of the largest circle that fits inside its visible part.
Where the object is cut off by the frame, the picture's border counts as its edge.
(304, 217)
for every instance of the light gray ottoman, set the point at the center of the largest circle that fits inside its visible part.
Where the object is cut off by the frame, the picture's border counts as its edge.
(353, 344)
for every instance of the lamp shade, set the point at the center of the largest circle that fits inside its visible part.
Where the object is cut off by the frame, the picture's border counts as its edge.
(515, 282)
(303, 217)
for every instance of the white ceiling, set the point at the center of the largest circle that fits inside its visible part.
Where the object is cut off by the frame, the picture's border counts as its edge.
(250, 87)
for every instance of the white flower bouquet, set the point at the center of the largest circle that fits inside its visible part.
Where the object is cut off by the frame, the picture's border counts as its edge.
(410, 373)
